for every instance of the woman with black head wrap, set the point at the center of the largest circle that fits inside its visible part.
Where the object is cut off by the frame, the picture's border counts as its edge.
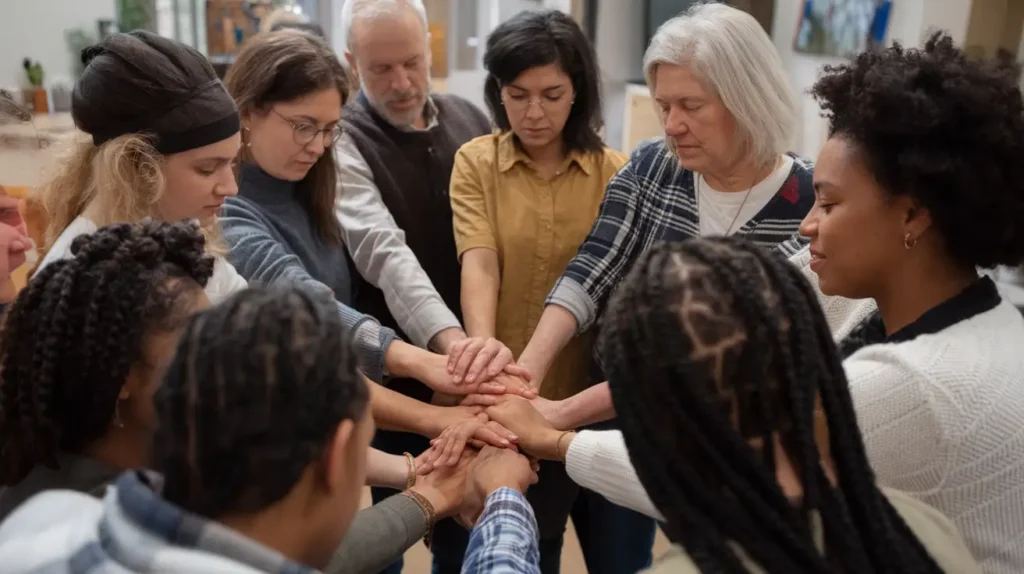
(161, 139)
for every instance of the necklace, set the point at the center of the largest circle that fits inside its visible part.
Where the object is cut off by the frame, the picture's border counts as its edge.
(698, 178)
(739, 209)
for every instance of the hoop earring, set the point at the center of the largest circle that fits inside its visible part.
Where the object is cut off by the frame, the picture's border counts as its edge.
(246, 137)
(908, 243)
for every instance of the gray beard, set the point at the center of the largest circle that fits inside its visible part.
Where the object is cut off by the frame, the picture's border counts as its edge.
(384, 113)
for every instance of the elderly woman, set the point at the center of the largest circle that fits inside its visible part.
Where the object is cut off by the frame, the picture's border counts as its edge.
(722, 168)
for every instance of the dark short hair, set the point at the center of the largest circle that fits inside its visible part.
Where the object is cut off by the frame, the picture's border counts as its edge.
(253, 396)
(539, 38)
(944, 129)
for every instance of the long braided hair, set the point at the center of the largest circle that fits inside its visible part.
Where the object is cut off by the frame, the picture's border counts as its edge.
(257, 389)
(714, 345)
(73, 334)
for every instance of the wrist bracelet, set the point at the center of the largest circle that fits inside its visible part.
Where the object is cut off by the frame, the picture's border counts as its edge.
(428, 513)
(410, 480)
(558, 446)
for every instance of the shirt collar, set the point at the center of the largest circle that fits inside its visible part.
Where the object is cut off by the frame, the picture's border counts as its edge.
(509, 154)
(977, 298)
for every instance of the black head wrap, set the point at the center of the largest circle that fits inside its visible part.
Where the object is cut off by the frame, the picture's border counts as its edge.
(140, 82)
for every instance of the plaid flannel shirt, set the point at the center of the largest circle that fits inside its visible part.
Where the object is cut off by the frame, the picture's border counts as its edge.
(652, 199)
(140, 532)
(505, 539)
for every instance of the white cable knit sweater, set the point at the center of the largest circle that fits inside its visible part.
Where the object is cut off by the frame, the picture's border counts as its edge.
(942, 417)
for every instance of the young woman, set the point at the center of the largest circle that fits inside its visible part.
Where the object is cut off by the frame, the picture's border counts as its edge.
(524, 200)
(919, 185)
(81, 352)
(262, 467)
(290, 87)
(738, 419)
(161, 135)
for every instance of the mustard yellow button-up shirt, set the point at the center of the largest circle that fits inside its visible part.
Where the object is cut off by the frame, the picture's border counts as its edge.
(500, 202)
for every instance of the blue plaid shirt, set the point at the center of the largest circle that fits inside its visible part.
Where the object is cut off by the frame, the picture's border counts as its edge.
(652, 199)
(505, 538)
(141, 532)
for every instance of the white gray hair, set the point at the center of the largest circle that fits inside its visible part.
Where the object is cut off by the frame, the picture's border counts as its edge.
(734, 57)
(353, 10)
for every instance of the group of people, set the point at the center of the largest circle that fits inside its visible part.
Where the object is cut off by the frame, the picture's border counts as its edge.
(260, 295)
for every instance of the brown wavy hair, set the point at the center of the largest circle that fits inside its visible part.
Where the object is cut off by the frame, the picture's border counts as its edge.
(282, 66)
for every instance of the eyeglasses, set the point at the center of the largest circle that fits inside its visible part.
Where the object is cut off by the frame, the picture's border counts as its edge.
(304, 132)
(519, 104)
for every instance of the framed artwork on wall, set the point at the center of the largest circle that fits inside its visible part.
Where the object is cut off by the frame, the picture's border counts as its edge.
(842, 27)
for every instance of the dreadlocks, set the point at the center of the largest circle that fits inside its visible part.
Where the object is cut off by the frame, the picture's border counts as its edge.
(257, 388)
(72, 335)
(714, 345)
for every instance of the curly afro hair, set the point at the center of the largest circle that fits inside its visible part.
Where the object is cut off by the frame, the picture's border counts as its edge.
(71, 337)
(944, 129)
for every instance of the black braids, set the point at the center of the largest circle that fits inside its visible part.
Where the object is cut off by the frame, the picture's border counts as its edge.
(70, 337)
(257, 388)
(658, 334)
(863, 531)
(802, 340)
(778, 514)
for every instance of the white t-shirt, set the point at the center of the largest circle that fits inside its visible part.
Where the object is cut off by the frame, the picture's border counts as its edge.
(724, 212)
(224, 282)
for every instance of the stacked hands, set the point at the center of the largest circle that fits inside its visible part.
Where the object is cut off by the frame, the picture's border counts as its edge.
(492, 438)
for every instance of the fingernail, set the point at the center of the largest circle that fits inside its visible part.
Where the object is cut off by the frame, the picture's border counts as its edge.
(505, 442)
(512, 437)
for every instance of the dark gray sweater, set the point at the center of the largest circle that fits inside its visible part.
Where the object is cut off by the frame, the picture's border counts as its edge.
(272, 240)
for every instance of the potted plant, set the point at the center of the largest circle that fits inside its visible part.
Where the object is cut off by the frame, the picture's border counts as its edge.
(34, 74)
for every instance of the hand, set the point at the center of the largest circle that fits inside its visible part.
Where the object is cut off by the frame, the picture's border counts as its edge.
(494, 469)
(446, 449)
(445, 487)
(433, 371)
(453, 416)
(537, 436)
(552, 410)
(477, 358)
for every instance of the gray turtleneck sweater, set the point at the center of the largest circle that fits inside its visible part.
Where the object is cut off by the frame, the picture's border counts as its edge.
(272, 240)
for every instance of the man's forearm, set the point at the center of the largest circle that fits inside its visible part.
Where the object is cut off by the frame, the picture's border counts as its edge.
(587, 407)
(555, 329)
(444, 340)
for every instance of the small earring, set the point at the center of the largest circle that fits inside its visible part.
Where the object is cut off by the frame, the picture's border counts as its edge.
(908, 243)
(245, 136)
(117, 415)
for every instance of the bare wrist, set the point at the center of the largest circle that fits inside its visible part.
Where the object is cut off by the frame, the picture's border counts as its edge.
(442, 342)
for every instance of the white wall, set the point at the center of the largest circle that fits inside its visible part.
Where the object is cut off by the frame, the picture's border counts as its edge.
(620, 52)
(909, 24)
(35, 29)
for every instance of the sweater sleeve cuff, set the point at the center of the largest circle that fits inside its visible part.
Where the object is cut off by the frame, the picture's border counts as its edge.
(599, 461)
(371, 342)
(571, 296)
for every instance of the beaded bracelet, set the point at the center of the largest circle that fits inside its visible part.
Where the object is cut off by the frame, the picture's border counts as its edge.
(428, 513)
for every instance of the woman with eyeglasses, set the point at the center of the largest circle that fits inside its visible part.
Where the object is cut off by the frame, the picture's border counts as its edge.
(290, 88)
(523, 201)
